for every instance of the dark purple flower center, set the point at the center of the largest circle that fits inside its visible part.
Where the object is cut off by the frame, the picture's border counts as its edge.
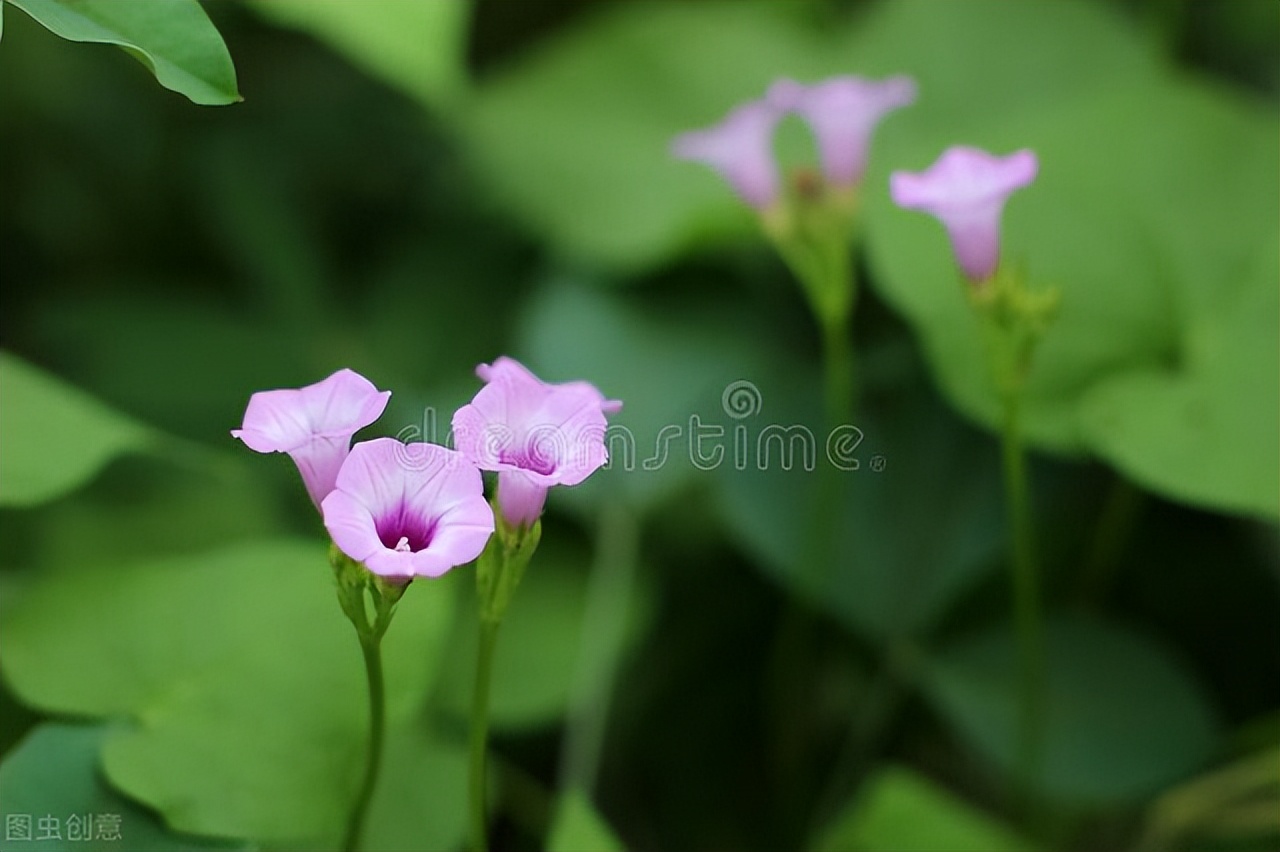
(404, 530)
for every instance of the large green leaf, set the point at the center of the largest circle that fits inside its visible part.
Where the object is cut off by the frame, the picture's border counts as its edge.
(900, 810)
(1122, 718)
(665, 368)
(173, 38)
(420, 802)
(53, 437)
(885, 547)
(416, 45)
(1205, 433)
(1170, 189)
(575, 136)
(538, 647)
(54, 774)
(578, 827)
(236, 678)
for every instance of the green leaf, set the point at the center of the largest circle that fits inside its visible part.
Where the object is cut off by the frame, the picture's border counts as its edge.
(54, 772)
(55, 437)
(903, 811)
(578, 827)
(664, 366)
(1206, 433)
(418, 46)
(575, 136)
(174, 39)
(420, 802)
(878, 572)
(1167, 186)
(238, 678)
(538, 646)
(1123, 719)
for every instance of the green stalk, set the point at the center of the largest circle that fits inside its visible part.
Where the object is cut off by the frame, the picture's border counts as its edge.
(372, 648)
(838, 379)
(477, 789)
(1028, 619)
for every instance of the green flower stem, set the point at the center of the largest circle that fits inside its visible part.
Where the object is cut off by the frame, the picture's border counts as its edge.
(372, 648)
(357, 587)
(1028, 619)
(477, 789)
(498, 573)
(838, 372)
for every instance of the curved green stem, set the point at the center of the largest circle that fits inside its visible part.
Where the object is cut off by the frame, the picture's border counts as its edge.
(372, 647)
(1028, 619)
(477, 789)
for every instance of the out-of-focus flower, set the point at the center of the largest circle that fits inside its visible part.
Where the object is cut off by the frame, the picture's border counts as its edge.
(740, 148)
(313, 425)
(534, 434)
(966, 189)
(843, 113)
(406, 510)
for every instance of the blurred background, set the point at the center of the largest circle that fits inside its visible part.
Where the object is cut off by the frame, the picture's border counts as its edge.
(410, 189)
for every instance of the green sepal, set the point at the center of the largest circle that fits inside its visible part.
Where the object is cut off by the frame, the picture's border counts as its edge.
(1013, 318)
(353, 582)
(502, 564)
(812, 228)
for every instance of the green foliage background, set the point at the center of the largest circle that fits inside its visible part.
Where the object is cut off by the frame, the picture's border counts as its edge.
(411, 188)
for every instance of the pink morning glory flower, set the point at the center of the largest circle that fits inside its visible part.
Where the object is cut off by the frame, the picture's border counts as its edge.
(406, 510)
(740, 148)
(313, 425)
(843, 113)
(534, 434)
(966, 189)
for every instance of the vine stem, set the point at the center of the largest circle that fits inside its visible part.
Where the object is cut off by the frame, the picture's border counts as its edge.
(477, 789)
(372, 648)
(1027, 616)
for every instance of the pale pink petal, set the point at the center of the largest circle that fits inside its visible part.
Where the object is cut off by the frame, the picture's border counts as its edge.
(843, 113)
(551, 434)
(406, 510)
(314, 424)
(740, 148)
(520, 497)
(966, 189)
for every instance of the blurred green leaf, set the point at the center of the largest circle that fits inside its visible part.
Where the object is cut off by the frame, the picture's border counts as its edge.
(420, 802)
(55, 437)
(1205, 434)
(1123, 719)
(901, 547)
(239, 677)
(187, 364)
(418, 46)
(1169, 187)
(174, 39)
(54, 772)
(664, 366)
(903, 811)
(538, 646)
(144, 510)
(579, 827)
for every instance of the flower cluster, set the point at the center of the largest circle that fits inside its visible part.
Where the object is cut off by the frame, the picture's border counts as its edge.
(965, 188)
(418, 509)
(842, 112)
